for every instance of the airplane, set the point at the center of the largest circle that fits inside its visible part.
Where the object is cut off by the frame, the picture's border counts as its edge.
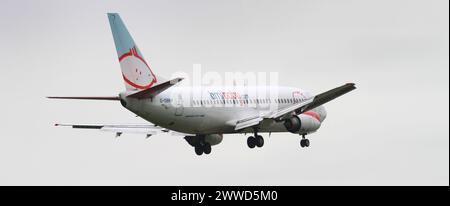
(209, 112)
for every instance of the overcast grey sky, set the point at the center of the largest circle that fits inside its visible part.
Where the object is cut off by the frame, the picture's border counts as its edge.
(392, 130)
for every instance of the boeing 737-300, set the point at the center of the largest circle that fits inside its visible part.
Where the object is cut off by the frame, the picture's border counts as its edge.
(209, 112)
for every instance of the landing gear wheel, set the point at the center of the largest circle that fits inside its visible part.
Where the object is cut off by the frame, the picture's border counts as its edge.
(259, 141)
(207, 148)
(304, 143)
(251, 142)
(198, 150)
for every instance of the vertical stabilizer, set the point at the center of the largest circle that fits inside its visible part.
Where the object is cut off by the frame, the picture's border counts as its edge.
(136, 72)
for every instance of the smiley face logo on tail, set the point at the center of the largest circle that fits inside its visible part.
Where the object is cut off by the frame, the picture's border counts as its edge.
(135, 70)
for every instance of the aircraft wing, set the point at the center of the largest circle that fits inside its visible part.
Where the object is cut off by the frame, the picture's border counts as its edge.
(149, 130)
(312, 103)
(297, 108)
(326, 97)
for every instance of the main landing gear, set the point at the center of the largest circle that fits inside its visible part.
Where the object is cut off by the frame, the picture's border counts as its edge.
(255, 141)
(202, 147)
(304, 142)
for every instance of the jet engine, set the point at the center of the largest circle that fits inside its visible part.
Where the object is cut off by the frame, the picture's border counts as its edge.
(301, 124)
(293, 124)
(214, 139)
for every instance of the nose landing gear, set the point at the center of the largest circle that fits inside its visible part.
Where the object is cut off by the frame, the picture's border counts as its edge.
(304, 142)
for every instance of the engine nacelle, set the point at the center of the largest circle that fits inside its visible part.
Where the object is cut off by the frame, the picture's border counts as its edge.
(212, 139)
(293, 124)
(301, 124)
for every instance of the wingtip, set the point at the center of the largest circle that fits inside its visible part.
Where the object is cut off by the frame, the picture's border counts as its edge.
(351, 84)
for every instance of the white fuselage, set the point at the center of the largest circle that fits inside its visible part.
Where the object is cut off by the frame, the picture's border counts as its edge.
(215, 110)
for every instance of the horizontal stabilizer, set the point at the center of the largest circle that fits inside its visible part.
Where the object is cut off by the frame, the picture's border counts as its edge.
(88, 98)
(153, 91)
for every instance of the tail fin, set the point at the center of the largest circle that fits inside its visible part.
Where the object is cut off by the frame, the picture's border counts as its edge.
(136, 71)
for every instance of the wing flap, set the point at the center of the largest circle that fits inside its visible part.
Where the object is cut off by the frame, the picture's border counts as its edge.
(241, 124)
